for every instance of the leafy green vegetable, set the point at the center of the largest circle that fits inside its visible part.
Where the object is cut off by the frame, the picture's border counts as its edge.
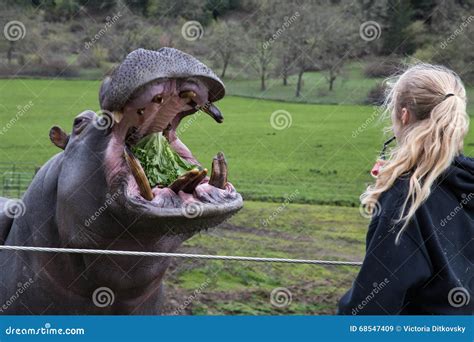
(160, 162)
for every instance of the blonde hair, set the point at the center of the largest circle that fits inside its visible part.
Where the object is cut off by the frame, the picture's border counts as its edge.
(436, 100)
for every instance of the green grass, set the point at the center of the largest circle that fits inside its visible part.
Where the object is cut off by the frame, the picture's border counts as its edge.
(298, 231)
(351, 87)
(322, 156)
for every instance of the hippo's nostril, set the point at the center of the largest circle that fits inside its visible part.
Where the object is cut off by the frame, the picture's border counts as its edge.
(78, 121)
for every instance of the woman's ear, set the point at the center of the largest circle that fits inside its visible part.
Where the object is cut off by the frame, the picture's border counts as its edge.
(405, 117)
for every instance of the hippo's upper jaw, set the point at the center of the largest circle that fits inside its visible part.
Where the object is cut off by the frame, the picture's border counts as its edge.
(168, 85)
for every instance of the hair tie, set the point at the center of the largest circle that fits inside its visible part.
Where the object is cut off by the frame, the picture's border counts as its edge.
(448, 95)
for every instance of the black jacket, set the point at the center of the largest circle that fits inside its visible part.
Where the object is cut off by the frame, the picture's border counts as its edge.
(431, 271)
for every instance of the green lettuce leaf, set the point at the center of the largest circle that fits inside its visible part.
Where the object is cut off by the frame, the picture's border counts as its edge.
(160, 162)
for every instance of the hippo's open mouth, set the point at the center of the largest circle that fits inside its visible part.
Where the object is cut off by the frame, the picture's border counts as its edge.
(148, 95)
(192, 189)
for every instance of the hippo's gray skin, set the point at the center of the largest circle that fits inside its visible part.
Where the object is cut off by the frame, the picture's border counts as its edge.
(86, 197)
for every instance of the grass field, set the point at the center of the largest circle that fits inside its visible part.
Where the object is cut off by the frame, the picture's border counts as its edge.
(298, 231)
(325, 154)
(351, 87)
(323, 157)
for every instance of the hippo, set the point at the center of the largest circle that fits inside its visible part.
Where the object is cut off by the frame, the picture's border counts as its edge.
(94, 194)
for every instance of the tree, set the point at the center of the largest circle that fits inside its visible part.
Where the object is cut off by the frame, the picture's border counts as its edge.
(397, 38)
(339, 42)
(302, 40)
(226, 42)
(287, 13)
(323, 38)
(261, 34)
(449, 40)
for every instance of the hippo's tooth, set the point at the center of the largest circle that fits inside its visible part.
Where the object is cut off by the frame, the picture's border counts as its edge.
(188, 181)
(139, 175)
(189, 94)
(211, 109)
(219, 171)
(118, 116)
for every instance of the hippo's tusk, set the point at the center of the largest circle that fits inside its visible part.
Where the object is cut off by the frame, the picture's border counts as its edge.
(188, 181)
(189, 94)
(219, 171)
(210, 109)
(118, 116)
(138, 174)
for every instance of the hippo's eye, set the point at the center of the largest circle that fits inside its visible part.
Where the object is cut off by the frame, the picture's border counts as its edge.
(157, 99)
(141, 111)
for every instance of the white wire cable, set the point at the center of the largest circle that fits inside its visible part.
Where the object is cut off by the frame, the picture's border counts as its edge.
(179, 255)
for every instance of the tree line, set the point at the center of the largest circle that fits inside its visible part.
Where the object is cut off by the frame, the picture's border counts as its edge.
(259, 39)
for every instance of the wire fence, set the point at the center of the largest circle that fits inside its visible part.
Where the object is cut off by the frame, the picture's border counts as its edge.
(15, 178)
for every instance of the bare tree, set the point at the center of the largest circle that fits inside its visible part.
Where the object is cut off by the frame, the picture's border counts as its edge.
(287, 12)
(339, 42)
(226, 42)
(322, 39)
(304, 43)
(261, 35)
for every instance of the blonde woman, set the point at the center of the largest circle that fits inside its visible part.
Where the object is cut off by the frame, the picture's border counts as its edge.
(420, 242)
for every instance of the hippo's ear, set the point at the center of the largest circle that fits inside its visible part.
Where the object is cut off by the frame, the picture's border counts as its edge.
(58, 137)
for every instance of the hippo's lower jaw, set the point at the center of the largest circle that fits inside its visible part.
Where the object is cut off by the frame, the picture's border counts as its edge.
(192, 202)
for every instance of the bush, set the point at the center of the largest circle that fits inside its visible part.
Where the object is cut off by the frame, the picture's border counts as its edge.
(93, 57)
(52, 68)
(382, 68)
(376, 95)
